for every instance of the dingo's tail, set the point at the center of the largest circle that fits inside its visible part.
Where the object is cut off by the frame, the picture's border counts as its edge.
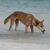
(6, 20)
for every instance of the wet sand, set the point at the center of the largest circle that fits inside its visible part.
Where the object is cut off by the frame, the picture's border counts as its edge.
(12, 40)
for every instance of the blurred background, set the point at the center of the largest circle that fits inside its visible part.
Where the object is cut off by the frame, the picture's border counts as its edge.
(39, 8)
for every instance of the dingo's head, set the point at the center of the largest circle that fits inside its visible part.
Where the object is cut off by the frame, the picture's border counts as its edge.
(41, 26)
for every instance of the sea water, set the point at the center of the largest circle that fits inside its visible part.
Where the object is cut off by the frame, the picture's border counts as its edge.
(39, 8)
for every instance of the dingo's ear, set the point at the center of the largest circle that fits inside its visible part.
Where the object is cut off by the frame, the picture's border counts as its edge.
(42, 21)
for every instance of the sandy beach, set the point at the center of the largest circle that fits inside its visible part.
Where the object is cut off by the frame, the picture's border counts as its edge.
(12, 40)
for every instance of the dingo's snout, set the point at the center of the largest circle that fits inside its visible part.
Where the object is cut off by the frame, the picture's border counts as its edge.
(43, 31)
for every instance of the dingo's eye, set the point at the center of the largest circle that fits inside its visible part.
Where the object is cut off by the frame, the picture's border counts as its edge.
(41, 26)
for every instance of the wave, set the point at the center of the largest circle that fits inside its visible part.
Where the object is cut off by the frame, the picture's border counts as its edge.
(36, 0)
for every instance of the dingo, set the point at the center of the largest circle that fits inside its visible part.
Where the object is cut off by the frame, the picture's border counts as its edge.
(26, 19)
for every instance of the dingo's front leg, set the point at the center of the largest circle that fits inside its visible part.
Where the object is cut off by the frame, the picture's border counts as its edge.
(26, 28)
(32, 28)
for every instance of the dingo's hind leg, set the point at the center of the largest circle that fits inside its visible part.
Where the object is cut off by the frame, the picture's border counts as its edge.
(11, 23)
(16, 24)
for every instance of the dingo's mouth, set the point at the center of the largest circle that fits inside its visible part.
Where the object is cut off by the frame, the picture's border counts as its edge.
(43, 31)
